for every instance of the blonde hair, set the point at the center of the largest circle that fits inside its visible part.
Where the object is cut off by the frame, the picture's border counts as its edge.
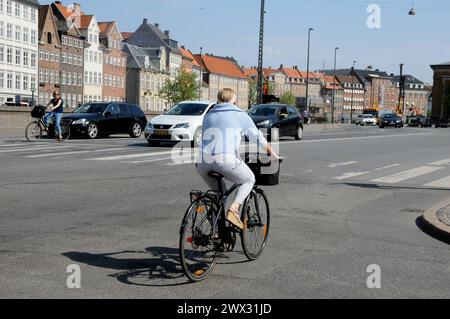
(226, 95)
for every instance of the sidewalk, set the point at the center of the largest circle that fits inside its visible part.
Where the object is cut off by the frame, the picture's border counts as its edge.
(437, 219)
(12, 132)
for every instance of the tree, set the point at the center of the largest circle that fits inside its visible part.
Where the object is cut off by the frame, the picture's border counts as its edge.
(184, 87)
(252, 94)
(288, 98)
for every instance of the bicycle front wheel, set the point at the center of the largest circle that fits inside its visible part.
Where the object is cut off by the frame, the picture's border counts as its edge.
(197, 250)
(33, 132)
(256, 219)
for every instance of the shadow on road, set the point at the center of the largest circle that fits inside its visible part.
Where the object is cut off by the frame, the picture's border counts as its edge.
(153, 267)
(431, 232)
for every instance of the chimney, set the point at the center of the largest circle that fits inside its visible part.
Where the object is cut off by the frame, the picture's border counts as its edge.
(183, 47)
(145, 21)
(167, 33)
(77, 9)
(281, 66)
(157, 25)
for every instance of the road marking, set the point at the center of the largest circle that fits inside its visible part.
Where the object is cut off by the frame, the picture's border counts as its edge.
(441, 163)
(150, 160)
(334, 165)
(405, 175)
(12, 145)
(355, 138)
(130, 156)
(386, 167)
(441, 183)
(350, 175)
(29, 149)
(75, 153)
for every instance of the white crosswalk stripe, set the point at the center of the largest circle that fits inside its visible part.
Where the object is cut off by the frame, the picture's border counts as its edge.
(406, 175)
(440, 183)
(32, 148)
(76, 153)
(441, 163)
(129, 156)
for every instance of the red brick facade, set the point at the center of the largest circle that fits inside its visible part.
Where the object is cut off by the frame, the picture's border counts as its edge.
(114, 62)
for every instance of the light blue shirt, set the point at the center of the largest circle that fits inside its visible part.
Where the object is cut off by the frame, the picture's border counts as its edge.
(223, 129)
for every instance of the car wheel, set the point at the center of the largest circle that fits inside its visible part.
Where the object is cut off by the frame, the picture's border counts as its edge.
(92, 131)
(299, 133)
(136, 130)
(197, 139)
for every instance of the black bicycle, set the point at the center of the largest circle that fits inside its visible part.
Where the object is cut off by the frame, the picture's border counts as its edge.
(205, 233)
(36, 128)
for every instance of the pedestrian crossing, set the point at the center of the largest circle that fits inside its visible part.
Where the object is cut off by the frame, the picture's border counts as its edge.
(435, 174)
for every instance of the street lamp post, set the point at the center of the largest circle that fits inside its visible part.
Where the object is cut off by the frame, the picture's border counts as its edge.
(201, 75)
(307, 70)
(353, 90)
(334, 80)
(33, 90)
(261, 55)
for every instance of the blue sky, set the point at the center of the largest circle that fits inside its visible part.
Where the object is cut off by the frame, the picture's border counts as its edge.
(230, 28)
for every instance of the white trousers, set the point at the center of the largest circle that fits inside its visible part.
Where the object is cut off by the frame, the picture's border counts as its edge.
(233, 169)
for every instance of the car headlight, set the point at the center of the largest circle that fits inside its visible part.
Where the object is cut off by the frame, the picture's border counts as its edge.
(265, 123)
(78, 122)
(182, 125)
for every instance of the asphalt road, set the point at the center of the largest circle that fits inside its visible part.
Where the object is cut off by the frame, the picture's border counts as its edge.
(349, 198)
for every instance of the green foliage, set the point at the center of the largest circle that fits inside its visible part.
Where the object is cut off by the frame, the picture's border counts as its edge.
(288, 98)
(252, 94)
(184, 87)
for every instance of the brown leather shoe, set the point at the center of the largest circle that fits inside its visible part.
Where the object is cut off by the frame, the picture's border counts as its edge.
(234, 219)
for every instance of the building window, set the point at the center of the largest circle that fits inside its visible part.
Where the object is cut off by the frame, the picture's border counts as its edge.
(49, 38)
(33, 82)
(33, 59)
(33, 15)
(9, 32)
(2, 79)
(9, 81)
(26, 82)
(26, 58)
(18, 56)
(9, 7)
(18, 33)
(2, 54)
(26, 35)
(17, 10)
(63, 77)
(2, 29)
(33, 37)
(18, 81)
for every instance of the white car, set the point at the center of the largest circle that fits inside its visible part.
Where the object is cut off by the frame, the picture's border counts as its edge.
(367, 119)
(183, 122)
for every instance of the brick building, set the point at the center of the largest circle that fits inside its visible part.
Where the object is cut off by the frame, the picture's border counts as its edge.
(441, 93)
(331, 88)
(114, 62)
(354, 95)
(49, 55)
(72, 53)
(224, 72)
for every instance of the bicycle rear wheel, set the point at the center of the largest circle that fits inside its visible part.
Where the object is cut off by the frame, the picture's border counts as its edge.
(256, 219)
(197, 250)
(33, 132)
(65, 131)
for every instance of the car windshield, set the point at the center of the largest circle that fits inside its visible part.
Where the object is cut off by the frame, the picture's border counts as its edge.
(368, 116)
(190, 109)
(389, 116)
(93, 108)
(263, 110)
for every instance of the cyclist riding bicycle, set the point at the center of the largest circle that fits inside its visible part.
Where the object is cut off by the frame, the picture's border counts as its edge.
(56, 109)
(223, 129)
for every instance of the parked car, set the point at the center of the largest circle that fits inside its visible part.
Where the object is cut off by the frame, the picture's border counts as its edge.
(366, 119)
(285, 118)
(391, 120)
(183, 122)
(420, 121)
(103, 119)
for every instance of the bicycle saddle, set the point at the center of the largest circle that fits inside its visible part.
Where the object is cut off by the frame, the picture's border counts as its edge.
(215, 175)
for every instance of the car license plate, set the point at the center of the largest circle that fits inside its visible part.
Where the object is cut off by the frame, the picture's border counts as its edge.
(161, 132)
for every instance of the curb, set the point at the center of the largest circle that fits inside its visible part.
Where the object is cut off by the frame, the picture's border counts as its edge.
(431, 222)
